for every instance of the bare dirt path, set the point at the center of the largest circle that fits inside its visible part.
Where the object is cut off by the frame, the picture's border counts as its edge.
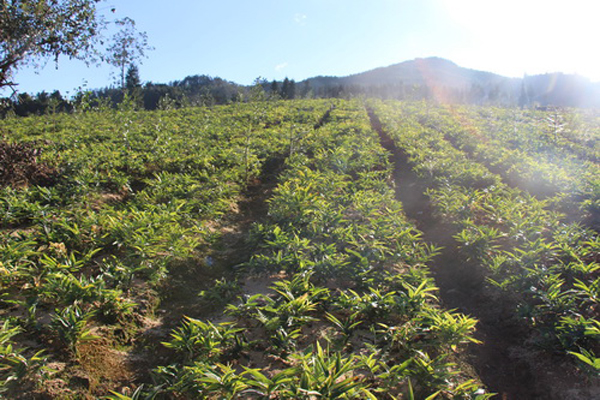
(504, 362)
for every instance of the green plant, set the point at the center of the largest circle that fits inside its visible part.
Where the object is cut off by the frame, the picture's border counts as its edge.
(328, 375)
(222, 291)
(70, 325)
(196, 339)
(284, 341)
(218, 379)
(345, 326)
(588, 359)
(14, 365)
(273, 387)
(449, 329)
(138, 394)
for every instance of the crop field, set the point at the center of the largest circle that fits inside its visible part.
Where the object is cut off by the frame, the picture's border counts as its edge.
(306, 249)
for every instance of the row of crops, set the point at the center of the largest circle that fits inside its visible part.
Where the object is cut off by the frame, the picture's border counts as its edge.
(549, 154)
(351, 311)
(526, 246)
(111, 221)
(127, 198)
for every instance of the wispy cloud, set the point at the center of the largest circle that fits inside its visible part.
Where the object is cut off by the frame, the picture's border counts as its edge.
(281, 66)
(300, 19)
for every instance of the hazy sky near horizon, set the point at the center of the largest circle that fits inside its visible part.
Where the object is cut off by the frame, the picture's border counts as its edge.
(240, 40)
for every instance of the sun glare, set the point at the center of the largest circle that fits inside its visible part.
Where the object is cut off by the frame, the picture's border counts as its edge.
(517, 37)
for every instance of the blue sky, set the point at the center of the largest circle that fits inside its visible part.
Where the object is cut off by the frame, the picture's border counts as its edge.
(240, 40)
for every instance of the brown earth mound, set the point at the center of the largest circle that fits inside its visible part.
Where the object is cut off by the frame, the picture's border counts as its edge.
(19, 165)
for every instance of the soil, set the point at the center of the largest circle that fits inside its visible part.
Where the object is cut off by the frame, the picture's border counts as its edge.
(507, 362)
(19, 165)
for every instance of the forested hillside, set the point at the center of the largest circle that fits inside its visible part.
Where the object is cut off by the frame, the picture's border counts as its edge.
(431, 79)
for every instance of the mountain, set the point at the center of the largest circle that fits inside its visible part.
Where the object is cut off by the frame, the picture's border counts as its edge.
(432, 71)
(442, 80)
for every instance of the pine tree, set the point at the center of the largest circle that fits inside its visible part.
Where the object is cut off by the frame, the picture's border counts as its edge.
(132, 78)
(291, 90)
(288, 89)
(274, 88)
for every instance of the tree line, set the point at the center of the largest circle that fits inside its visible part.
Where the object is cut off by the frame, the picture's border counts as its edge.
(203, 90)
(195, 90)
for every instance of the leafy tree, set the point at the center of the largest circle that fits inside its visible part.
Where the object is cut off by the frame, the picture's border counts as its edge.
(127, 46)
(34, 31)
(257, 91)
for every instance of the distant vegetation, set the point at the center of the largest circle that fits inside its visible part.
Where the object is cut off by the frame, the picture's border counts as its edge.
(433, 79)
